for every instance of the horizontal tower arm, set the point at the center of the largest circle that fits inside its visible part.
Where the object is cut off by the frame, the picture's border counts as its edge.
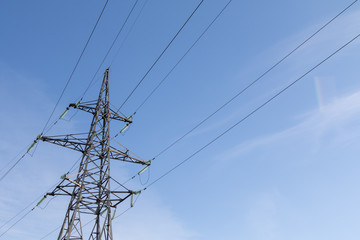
(92, 109)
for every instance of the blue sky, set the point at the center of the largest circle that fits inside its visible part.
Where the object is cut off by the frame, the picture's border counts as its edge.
(288, 172)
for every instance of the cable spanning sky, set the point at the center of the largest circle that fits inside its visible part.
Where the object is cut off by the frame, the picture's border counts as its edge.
(290, 171)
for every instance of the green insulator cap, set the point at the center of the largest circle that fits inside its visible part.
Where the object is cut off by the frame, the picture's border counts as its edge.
(63, 114)
(41, 201)
(124, 128)
(142, 170)
(31, 146)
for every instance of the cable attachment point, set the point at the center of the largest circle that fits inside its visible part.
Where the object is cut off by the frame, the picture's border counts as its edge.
(132, 197)
(35, 141)
(44, 197)
(64, 113)
(124, 128)
(75, 105)
(148, 163)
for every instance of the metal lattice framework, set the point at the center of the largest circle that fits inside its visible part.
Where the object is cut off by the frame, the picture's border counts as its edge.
(90, 190)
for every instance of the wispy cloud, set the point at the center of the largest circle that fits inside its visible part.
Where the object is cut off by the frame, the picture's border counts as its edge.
(335, 124)
(319, 47)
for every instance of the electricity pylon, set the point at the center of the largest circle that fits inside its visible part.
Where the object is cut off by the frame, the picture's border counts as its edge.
(90, 191)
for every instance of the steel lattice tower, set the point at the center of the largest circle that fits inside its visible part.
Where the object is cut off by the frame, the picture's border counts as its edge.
(90, 191)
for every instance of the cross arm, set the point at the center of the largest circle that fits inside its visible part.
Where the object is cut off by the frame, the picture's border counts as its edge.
(91, 108)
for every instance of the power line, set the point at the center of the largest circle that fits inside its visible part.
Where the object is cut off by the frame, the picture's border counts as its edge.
(253, 82)
(189, 49)
(66, 85)
(14, 159)
(76, 65)
(229, 129)
(252, 112)
(128, 33)
(162, 53)
(12, 167)
(17, 221)
(57, 104)
(27, 213)
(18, 160)
(242, 91)
(30, 204)
(7, 222)
(63, 91)
(239, 122)
(111, 46)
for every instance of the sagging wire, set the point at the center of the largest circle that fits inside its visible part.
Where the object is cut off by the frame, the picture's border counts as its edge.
(36, 200)
(76, 65)
(254, 111)
(253, 82)
(127, 35)
(30, 147)
(148, 175)
(162, 53)
(112, 45)
(21, 218)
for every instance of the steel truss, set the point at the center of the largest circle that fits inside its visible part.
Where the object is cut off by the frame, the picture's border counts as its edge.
(90, 191)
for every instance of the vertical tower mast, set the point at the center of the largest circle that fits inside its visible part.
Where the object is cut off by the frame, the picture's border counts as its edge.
(90, 191)
(94, 173)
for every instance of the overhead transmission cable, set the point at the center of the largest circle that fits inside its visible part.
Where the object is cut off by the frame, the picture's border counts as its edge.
(162, 53)
(27, 213)
(21, 218)
(23, 210)
(76, 65)
(12, 167)
(253, 82)
(110, 48)
(251, 113)
(38, 205)
(69, 81)
(30, 204)
(179, 61)
(13, 159)
(244, 118)
(244, 89)
(16, 159)
(240, 121)
(128, 33)
(63, 91)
